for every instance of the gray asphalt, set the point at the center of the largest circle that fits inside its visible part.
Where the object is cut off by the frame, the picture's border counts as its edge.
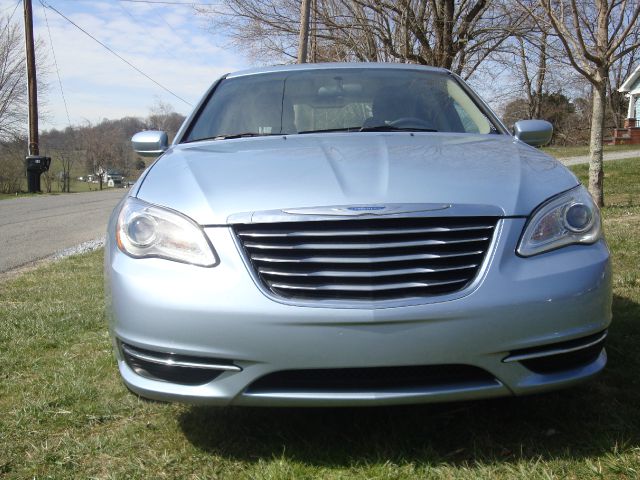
(33, 228)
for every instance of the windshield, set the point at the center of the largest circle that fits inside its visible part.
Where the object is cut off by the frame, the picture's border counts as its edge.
(362, 99)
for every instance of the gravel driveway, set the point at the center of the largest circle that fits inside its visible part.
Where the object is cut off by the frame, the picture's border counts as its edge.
(607, 157)
(32, 228)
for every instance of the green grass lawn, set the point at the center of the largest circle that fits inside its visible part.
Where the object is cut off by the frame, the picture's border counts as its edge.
(65, 414)
(75, 187)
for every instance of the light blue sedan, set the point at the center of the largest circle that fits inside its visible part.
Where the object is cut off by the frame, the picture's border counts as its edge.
(354, 234)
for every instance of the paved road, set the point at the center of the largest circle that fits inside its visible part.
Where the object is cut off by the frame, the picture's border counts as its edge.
(607, 157)
(32, 228)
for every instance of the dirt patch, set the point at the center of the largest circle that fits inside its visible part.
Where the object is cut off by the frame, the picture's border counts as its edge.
(27, 267)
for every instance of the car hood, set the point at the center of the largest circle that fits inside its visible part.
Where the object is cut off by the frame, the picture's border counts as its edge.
(210, 181)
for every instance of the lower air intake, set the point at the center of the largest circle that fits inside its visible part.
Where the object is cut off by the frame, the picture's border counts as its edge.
(168, 367)
(371, 379)
(561, 356)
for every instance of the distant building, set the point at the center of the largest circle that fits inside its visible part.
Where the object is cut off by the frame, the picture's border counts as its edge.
(112, 178)
(109, 177)
(630, 134)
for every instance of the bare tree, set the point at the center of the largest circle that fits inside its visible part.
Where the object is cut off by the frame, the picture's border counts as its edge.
(64, 148)
(67, 159)
(458, 35)
(12, 165)
(47, 179)
(12, 80)
(97, 154)
(593, 36)
(534, 82)
(107, 146)
(533, 76)
(162, 116)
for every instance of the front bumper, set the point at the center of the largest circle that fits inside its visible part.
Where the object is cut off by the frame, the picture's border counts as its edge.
(518, 304)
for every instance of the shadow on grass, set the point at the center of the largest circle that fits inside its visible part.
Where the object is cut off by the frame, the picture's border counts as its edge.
(587, 420)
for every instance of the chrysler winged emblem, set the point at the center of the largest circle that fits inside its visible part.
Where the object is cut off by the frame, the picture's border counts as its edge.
(373, 209)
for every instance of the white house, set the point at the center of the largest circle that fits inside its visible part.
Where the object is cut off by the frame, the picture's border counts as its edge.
(631, 131)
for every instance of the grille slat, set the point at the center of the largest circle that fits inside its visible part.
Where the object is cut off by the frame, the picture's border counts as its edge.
(367, 259)
(360, 274)
(357, 233)
(364, 287)
(360, 245)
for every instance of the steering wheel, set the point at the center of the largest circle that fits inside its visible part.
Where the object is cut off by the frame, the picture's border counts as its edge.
(408, 122)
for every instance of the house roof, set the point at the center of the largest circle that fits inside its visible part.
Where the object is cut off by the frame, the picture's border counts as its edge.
(629, 83)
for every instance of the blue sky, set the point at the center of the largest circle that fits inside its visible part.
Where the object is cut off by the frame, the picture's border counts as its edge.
(169, 43)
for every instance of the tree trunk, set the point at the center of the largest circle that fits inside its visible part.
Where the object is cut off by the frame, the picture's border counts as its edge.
(542, 72)
(596, 173)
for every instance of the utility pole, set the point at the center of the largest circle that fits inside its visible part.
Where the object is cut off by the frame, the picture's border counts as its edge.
(314, 32)
(303, 41)
(31, 79)
(34, 162)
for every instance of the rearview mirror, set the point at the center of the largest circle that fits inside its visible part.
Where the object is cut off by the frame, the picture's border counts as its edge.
(150, 143)
(533, 132)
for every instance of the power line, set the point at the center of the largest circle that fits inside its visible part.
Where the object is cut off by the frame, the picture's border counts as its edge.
(8, 24)
(114, 52)
(10, 7)
(6, 27)
(172, 28)
(160, 17)
(55, 62)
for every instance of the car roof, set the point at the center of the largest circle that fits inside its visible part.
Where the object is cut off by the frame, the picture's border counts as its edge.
(337, 65)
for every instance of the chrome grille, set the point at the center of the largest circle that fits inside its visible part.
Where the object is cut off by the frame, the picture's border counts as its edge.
(367, 259)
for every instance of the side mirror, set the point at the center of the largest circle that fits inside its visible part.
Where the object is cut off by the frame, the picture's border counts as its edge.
(150, 143)
(533, 132)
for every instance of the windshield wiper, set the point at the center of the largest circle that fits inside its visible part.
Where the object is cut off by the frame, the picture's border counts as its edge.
(235, 135)
(391, 128)
(328, 130)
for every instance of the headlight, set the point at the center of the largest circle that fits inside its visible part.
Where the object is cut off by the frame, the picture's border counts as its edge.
(571, 217)
(144, 230)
